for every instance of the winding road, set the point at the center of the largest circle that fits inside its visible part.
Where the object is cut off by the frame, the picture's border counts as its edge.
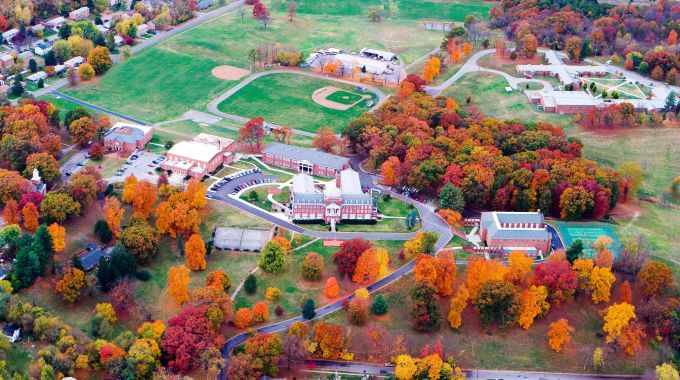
(213, 105)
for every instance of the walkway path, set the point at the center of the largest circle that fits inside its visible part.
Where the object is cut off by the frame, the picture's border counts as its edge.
(471, 66)
(213, 105)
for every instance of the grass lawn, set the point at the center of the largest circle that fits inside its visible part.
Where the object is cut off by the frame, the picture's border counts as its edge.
(295, 288)
(344, 97)
(385, 225)
(393, 207)
(222, 214)
(477, 346)
(399, 9)
(505, 106)
(660, 226)
(63, 105)
(17, 358)
(174, 76)
(108, 165)
(286, 99)
(262, 200)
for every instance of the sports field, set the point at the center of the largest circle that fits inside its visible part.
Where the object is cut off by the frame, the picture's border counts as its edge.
(164, 81)
(396, 9)
(344, 97)
(588, 232)
(286, 99)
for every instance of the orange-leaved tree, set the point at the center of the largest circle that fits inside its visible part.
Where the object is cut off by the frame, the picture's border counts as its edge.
(243, 318)
(71, 284)
(446, 273)
(58, 235)
(194, 249)
(559, 334)
(631, 338)
(480, 271)
(178, 283)
(520, 266)
(371, 265)
(625, 292)
(113, 214)
(425, 270)
(654, 278)
(11, 212)
(260, 312)
(332, 289)
(458, 304)
(30, 213)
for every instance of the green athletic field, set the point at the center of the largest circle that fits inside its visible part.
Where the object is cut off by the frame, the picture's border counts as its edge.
(286, 99)
(344, 97)
(588, 232)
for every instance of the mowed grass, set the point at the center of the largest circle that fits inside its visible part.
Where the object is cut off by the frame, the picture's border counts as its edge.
(344, 97)
(487, 347)
(286, 99)
(659, 225)
(166, 80)
(398, 9)
(489, 96)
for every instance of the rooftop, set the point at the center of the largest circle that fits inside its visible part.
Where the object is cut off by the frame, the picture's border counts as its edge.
(90, 258)
(313, 156)
(515, 225)
(195, 150)
(127, 132)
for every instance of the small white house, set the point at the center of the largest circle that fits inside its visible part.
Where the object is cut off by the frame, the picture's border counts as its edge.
(6, 60)
(58, 69)
(118, 40)
(114, 3)
(37, 28)
(35, 78)
(79, 14)
(8, 35)
(26, 55)
(11, 332)
(102, 29)
(74, 62)
(42, 48)
(56, 22)
(142, 29)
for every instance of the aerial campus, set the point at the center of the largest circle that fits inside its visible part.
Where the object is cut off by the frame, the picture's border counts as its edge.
(353, 189)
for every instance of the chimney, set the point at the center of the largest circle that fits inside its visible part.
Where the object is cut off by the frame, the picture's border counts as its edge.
(337, 179)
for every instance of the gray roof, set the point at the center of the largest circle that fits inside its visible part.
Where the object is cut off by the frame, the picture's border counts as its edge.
(361, 199)
(121, 134)
(90, 259)
(308, 198)
(9, 329)
(497, 232)
(314, 156)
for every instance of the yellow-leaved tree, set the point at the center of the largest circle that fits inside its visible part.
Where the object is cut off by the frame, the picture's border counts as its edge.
(616, 318)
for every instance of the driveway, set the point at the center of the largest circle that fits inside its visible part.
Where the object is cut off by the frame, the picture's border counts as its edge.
(73, 164)
(230, 187)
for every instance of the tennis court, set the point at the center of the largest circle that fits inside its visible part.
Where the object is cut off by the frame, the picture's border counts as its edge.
(588, 232)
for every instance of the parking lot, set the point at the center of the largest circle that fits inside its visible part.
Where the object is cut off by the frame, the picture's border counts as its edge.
(141, 164)
(241, 180)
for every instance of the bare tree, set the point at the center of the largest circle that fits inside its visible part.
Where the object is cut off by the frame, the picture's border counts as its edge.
(242, 11)
(292, 8)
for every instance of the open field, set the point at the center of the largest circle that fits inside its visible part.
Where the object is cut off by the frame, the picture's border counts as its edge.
(393, 207)
(399, 9)
(175, 75)
(478, 346)
(286, 99)
(659, 225)
(485, 86)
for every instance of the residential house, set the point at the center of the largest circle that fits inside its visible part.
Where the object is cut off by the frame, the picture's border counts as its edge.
(56, 22)
(42, 48)
(12, 332)
(203, 4)
(6, 60)
(35, 78)
(74, 62)
(8, 35)
(91, 255)
(79, 14)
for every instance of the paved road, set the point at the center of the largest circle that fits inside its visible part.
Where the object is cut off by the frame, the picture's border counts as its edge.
(160, 37)
(369, 368)
(471, 66)
(97, 108)
(213, 105)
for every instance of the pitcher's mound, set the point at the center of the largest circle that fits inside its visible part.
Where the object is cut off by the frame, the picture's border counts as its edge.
(227, 72)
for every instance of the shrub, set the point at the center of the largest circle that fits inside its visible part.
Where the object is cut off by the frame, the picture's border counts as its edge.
(278, 311)
(272, 294)
(143, 275)
(250, 285)
(312, 267)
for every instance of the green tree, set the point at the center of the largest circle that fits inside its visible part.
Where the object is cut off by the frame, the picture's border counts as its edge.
(42, 245)
(17, 88)
(102, 230)
(25, 269)
(308, 309)
(33, 65)
(497, 301)
(250, 284)
(451, 197)
(379, 306)
(575, 251)
(273, 258)
(47, 372)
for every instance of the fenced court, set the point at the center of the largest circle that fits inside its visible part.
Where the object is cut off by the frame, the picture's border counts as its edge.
(588, 232)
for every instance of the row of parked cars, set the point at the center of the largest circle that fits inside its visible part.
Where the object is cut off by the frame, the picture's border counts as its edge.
(250, 183)
(133, 158)
(217, 185)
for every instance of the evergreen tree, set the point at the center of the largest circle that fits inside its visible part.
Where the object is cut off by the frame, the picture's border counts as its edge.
(110, 41)
(26, 268)
(77, 262)
(106, 274)
(671, 101)
(17, 88)
(41, 83)
(43, 238)
(411, 218)
(575, 251)
(33, 65)
(379, 306)
(308, 311)
(250, 285)
(65, 31)
(451, 197)
(102, 230)
(50, 58)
